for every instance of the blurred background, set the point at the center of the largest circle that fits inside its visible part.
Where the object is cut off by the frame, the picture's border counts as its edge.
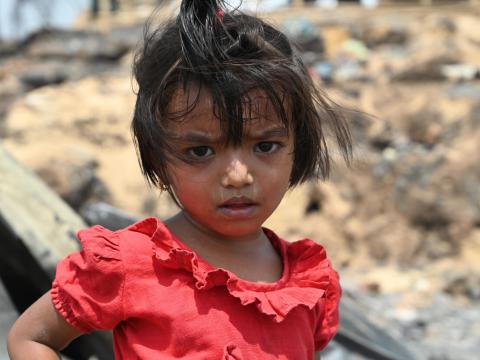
(402, 224)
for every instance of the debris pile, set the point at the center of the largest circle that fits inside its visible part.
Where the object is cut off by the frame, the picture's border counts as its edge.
(403, 224)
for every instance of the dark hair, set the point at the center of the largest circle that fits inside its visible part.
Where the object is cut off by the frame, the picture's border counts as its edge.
(230, 54)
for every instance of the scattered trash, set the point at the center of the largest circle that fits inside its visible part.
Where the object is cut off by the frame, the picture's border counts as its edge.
(256, 5)
(369, 3)
(324, 70)
(304, 33)
(332, 4)
(350, 70)
(460, 71)
(327, 4)
(356, 49)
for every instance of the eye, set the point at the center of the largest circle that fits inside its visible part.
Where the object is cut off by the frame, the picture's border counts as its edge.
(200, 151)
(267, 147)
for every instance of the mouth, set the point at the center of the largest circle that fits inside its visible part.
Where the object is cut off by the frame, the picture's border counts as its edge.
(238, 207)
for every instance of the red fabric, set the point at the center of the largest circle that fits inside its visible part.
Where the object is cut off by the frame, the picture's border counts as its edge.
(165, 302)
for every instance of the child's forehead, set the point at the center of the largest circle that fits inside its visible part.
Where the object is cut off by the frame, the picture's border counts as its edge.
(207, 123)
(197, 111)
(200, 100)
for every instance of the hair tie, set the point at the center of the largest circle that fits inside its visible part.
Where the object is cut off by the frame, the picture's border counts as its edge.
(220, 14)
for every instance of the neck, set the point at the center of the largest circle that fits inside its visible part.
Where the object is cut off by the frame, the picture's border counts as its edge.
(196, 235)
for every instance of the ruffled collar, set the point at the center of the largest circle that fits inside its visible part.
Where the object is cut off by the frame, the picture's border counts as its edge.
(305, 279)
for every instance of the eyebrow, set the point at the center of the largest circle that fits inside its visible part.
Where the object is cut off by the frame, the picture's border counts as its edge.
(198, 137)
(278, 131)
(201, 137)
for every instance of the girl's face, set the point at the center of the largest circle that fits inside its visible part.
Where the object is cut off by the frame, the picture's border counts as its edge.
(229, 191)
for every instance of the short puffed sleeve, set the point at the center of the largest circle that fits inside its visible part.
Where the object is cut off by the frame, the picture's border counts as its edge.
(88, 287)
(328, 326)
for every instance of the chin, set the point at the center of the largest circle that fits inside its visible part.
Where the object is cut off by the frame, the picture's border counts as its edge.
(237, 229)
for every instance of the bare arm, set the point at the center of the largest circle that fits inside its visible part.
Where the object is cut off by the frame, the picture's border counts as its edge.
(40, 332)
(317, 356)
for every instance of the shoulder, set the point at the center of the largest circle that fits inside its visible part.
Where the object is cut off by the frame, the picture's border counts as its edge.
(128, 245)
(302, 254)
(137, 238)
(309, 266)
(309, 260)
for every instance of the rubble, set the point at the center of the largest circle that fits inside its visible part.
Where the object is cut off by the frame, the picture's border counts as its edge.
(403, 223)
(8, 315)
(37, 230)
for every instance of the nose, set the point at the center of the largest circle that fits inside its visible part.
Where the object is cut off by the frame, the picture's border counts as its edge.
(237, 174)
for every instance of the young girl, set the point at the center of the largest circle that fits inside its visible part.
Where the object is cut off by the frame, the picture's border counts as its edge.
(227, 120)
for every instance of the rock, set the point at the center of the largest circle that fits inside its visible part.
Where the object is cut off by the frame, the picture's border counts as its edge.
(43, 222)
(425, 127)
(359, 334)
(445, 328)
(37, 230)
(435, 190)
(8, 49)
(51, 72)
(99, 119)
(62, 44)
(463, 284)
(107, 216)
(74, 177)
(8, 315)
(425, 70)
(431, 46)
(387, 30)
(126, 36)
(51, 122)
(435, 327)
(43, 74)
(10, 88)
(380, 134)
(438, 188)
(464, 91)
(383, 233)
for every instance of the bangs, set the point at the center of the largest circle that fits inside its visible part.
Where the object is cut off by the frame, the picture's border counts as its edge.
(233, 100)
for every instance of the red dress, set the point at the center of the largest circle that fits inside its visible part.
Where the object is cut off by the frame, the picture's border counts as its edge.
(165, 302)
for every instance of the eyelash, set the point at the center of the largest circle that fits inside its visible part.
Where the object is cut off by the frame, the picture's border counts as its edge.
(191, 151)
(275, 146)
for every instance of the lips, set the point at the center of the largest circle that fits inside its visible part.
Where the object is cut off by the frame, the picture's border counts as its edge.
(238, 207)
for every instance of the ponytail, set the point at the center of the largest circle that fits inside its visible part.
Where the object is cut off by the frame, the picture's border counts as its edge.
(199, 23)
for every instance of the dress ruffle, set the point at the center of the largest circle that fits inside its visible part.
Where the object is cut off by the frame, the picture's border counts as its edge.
(306, 276)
